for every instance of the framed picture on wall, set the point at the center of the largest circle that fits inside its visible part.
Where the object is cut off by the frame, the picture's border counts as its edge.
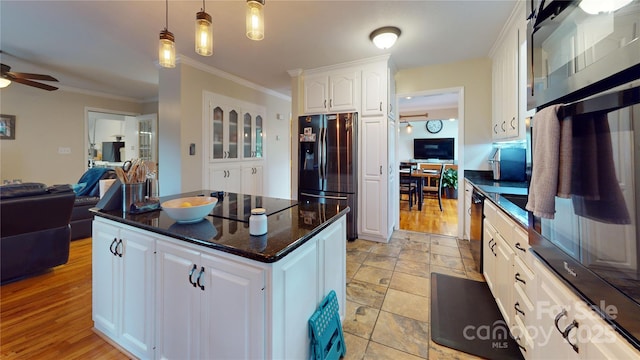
(7, 127)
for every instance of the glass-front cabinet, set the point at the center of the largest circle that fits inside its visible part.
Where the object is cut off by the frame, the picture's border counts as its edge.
(224, 128)
(236, 130)
(252, 138)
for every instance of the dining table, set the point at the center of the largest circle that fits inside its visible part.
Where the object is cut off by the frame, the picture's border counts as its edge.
(422, 176)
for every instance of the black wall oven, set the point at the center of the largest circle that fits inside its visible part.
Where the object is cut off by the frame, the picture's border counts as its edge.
(590, 64)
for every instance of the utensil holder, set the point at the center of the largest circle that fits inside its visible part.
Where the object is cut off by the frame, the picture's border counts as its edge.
(132, 193)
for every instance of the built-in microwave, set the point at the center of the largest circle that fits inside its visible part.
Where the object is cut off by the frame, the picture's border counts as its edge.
(577, 48)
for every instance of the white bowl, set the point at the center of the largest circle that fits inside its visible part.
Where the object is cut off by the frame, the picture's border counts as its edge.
(189, 209)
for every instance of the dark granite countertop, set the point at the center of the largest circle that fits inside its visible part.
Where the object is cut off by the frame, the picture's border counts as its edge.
(288, 228)
(509, 196)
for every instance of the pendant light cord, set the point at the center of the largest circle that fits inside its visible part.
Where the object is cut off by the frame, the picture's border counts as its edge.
(166, 15)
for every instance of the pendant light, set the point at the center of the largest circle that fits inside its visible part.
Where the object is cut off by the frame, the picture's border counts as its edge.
(409, 128)
(255, 19)
(204, 33)
(167, 46)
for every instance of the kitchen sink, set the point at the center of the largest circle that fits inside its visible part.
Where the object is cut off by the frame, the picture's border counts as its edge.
(518, 200)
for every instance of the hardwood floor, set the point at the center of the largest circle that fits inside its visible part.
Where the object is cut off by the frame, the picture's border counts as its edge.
(430, 219)
(48, 316)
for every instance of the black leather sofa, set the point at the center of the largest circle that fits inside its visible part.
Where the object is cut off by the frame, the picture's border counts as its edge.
(88, 197)
(34, 232)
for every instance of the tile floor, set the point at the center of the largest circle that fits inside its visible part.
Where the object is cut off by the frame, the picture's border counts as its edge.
(388, 294)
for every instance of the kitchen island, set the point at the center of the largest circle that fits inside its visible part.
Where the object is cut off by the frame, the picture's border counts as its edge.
(210, 290)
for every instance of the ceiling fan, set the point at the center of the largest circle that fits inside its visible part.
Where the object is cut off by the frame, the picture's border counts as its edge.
(7, 76)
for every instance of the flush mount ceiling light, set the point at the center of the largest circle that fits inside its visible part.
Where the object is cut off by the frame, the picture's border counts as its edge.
(595, 7)
(167, 46)
(255, 19)
(385, 37)
(204, 33)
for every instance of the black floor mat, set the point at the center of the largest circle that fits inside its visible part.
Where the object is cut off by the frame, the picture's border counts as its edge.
(465, 317)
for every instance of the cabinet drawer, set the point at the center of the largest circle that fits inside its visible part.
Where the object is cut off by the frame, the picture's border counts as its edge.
(504, 225)
(523, 307)
(490, 212)
(521, 246)
(522, 338)
(524, 278)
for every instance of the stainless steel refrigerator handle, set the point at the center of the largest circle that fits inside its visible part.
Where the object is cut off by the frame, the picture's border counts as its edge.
(324, 154)
(325, 196)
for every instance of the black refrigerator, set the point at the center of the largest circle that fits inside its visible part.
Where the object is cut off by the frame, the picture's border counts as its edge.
(328, 163)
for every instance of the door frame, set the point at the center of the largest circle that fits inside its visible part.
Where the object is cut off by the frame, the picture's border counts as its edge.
(459, 149)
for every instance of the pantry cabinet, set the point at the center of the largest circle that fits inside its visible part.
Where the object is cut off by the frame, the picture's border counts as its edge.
(235, 136)
(122, 300)
(332, 91)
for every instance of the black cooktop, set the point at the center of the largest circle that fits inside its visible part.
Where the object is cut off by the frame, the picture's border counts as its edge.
(238, 206)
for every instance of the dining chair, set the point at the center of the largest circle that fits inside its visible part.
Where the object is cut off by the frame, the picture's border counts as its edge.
(408, 183)
(432, 186)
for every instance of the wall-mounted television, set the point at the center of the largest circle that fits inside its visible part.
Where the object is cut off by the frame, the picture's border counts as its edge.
(111, 150)
(434, 148)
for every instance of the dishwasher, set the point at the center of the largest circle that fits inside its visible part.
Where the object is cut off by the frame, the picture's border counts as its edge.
(475, 231)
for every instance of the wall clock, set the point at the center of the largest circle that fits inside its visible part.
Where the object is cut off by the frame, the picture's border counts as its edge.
(434, 126)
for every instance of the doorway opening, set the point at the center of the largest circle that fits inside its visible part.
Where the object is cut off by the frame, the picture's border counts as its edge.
(427, 118)
(114, 137)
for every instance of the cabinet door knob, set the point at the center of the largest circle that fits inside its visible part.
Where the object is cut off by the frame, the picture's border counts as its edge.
(380, 105)
(193, 269)
(325, 103)
(518, 278)
(200, 276)
(380, 169)
(519, 247)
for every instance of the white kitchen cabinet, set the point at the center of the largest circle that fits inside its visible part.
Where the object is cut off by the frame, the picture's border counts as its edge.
(122, 300)
(234, 138)
(224, 129)
(374, 180)
(505, 121)
(208, 306)
(489, 257)
(318, 267)
(333, 91)
(252, 132)
(225, 177)
(507, 85)
(508, 274)
(252, 179)
(374, 90)
(586, 334)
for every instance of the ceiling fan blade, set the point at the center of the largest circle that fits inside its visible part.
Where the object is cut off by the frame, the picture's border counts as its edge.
(21, 75)
(34, 84)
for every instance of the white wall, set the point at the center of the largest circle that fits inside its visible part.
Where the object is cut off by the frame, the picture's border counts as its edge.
(46, 121)
(180, 124)
(475, 77)
(419, 131)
